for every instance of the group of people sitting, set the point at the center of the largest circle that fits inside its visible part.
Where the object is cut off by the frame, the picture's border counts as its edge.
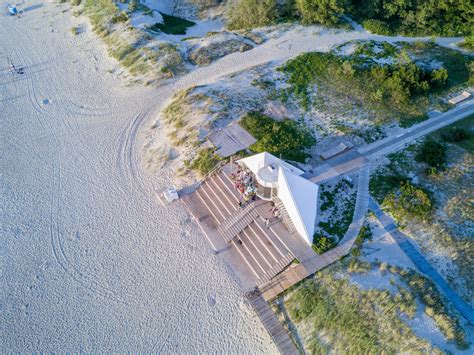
(244, 183)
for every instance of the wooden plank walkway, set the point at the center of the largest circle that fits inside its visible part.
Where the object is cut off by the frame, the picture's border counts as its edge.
(316, 262)
(272, 324)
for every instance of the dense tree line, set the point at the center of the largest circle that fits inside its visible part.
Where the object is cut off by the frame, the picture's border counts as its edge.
(408, 17)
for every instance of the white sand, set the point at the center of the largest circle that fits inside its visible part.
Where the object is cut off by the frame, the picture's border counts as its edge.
(89, 259)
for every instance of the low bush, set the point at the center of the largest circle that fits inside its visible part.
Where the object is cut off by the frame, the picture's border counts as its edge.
(248, 14)
(284, 138)
(120, 17)
(377, 27)
(204, 162)
(432, 153)
(409, 201)
(322, 243)
(320, 11)
(455, 134)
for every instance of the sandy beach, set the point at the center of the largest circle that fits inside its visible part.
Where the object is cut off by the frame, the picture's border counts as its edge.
(89, 260)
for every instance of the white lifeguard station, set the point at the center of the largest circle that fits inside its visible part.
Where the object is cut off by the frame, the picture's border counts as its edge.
(282, 183)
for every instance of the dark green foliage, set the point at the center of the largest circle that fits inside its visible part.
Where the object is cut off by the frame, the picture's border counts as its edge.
(422, 17)
(455, 134)
(205, 161)
(285, 138)
(377, 26)
(468, 43)
(247, 14)
(439, 77)
(325, 12)
(409, 201)
(322, 243)
(172, 25)
(381, 86)
(432, 153)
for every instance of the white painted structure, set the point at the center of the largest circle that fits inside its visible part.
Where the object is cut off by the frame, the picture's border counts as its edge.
(460, 98)
(276, 178)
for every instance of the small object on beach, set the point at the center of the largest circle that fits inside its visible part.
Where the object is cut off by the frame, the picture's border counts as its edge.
(13, 10)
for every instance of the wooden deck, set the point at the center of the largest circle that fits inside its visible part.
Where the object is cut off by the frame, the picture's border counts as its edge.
(272, 324)
(264, 252)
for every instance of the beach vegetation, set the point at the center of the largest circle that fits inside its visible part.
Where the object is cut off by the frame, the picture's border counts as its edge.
(321, 243)
(285, 138)
(172, 25)
(248, 14)
(334, 315)
(409, 201)
(204, 162)
(432, 153)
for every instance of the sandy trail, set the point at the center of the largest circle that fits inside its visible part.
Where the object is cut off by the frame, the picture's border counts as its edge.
(89, 259)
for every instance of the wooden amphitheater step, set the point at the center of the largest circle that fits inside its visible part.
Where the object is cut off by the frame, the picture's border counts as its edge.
(276, 269)
(237, 222)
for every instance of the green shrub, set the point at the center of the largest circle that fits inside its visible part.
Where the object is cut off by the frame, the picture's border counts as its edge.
(439, 77)
(409, 201)
(377, 27)
(172, 25)
(325, 12)
(468, 43)
(432, 153)
(391, 87)
(442, 17)
(204, 162)
(285, 138)
(322, 243)
(455, 134)
(248, 14)
(75, 2)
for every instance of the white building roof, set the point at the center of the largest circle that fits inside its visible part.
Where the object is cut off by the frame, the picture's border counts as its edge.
(260, 160)
(300, 198)
(298, 195)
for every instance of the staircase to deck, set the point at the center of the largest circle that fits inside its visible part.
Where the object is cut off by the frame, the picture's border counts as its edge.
(284, 215)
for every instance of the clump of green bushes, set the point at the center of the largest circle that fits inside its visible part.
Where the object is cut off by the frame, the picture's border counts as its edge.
(409, 201)
(385, 17)
(285, 138)
(455, 134)
(389, 88)
(432, 153)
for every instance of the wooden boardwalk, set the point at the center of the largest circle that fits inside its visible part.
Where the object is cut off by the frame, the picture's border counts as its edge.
(272, 324)
(314, 263)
